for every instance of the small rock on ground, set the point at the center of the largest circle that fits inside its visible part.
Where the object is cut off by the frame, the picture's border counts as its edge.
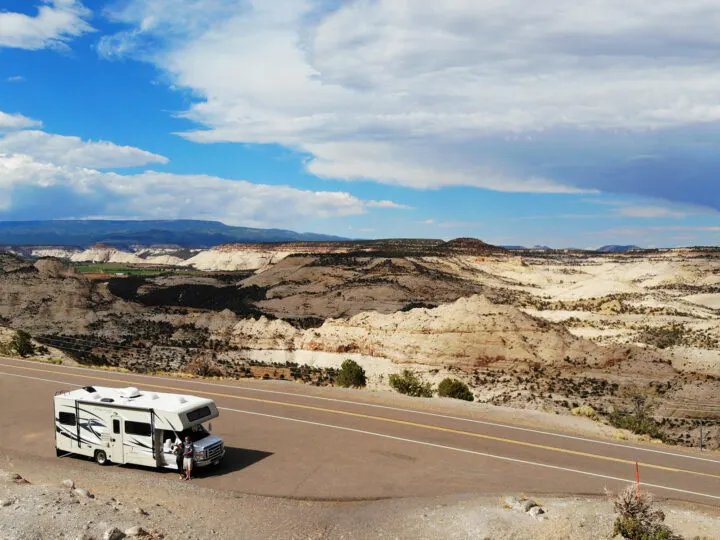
(82, 492)
(536, 511)
(137, 530)
(113, 534)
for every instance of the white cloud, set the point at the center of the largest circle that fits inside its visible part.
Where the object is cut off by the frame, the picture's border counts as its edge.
(171, 196)
(389, 204)
(56, 22)
(648, 212)
(11, 122)
(15, 79)
(415, 167)
(73, 151)
(412, 93)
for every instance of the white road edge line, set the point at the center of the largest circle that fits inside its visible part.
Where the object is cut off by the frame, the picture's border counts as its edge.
(37, 378)
(423, 443)
(399, 409)
(474, 452)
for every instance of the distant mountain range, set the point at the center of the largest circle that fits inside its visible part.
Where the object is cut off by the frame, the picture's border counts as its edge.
(185, 233)
(616, 249)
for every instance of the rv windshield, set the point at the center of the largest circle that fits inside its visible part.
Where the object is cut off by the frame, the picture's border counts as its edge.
(195, 433)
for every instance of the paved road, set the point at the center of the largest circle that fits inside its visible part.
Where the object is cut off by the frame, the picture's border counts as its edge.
(293, 441)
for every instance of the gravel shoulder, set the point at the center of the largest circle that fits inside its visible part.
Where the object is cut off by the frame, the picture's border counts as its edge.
(38, 506)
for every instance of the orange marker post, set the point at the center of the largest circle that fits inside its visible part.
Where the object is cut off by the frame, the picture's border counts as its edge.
(637, 478)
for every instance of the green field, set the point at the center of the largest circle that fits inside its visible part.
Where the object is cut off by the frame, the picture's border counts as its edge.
(132, 269)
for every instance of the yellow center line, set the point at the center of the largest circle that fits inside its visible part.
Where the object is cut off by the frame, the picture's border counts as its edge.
(388, 420)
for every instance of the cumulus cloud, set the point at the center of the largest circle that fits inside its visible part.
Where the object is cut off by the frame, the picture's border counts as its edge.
(422, 94)
(56, 23)
(73, 151)
(86, 192)
(15, 79)
(12, 122)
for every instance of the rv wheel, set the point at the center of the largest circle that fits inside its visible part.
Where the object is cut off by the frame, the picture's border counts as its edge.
(58, 452)
(101, 457)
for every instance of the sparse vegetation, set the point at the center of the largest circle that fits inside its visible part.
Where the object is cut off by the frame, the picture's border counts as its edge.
(585, 410)
(411, 384)
(351, 374)
(639, 419)
(453, 388)
(664, 336)
(22, 344)
(639, 518)
(204, 367)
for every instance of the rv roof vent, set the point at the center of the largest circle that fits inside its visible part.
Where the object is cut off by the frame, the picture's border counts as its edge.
(89, 389)
(182, 399)
(107, 400)
(154, 396)
(130, 392)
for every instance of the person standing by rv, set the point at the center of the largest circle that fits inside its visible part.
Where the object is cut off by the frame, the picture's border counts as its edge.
(188, 455)
(179, 451)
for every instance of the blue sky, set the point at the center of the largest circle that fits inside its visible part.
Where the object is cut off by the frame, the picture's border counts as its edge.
(565, 124)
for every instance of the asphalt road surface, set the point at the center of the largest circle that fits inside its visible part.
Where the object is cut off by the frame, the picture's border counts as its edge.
(289, 440)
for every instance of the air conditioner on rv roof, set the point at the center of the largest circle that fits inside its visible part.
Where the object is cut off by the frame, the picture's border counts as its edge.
(130, 392)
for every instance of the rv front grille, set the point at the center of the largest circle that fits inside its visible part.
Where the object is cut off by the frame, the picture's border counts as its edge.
(214, 451)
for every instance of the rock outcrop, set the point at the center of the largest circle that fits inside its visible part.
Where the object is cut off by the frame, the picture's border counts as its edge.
(471, 332)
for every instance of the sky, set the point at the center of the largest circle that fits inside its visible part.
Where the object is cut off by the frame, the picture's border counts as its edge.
(562, 123)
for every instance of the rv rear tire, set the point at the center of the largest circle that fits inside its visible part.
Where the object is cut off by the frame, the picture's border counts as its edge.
(101, 457)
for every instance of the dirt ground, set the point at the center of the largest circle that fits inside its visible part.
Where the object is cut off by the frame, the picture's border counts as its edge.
(127, 497)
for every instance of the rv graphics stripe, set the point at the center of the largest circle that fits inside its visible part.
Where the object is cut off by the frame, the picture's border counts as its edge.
(71, 435)
(137, 445)
(87, 426)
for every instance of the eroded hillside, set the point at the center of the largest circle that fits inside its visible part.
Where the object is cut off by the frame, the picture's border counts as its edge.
(546, 330)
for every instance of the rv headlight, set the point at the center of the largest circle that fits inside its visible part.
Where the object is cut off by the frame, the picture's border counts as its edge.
(202, 454)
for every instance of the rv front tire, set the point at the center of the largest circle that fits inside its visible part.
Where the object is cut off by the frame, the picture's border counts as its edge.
(101, 457)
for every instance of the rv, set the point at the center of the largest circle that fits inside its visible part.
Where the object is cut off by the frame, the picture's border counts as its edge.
(126, 425)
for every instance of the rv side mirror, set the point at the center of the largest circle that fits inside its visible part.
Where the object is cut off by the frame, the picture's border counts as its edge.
(210, 427)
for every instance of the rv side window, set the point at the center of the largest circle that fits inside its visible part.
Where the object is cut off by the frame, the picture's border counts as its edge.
(67, 418)
(116, 426)
(137, 428)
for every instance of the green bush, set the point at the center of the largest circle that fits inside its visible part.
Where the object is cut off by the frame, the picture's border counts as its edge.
(638, 425)
(22, 343)
(351, 375)
(453, 388)
(411, 384)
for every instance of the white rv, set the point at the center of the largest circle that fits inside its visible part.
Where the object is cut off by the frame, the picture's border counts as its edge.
(126, 425)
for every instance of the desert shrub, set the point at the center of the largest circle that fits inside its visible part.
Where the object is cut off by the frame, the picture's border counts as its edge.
(585, 410)
(642, 402)
(410, 383)
(638, 517)
(638, 425)
(22, 343)
(455, 389)
(664, 336)
(203, 367)
(351, 374)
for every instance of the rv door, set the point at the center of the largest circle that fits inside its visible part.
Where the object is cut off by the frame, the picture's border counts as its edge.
(117, 454)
